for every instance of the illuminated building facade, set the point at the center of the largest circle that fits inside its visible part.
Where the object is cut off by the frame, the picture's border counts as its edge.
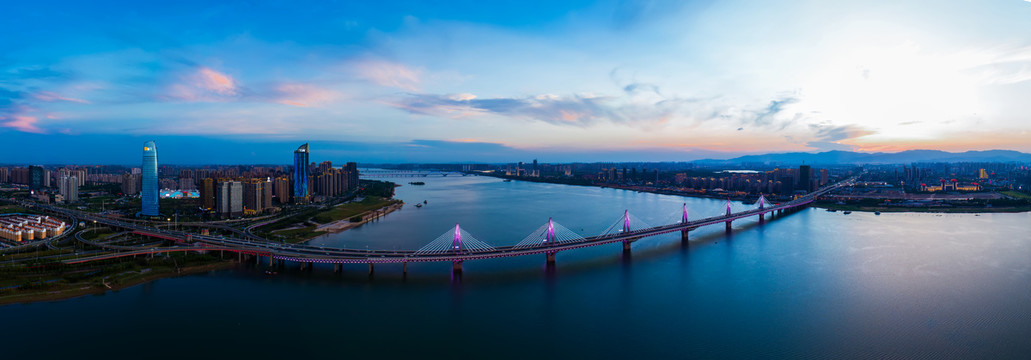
(149, 191)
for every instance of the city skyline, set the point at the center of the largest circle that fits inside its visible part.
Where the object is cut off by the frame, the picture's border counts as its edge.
(593, 81)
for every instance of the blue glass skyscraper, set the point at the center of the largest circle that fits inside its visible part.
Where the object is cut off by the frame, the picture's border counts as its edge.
(150, 179)
(301, 174)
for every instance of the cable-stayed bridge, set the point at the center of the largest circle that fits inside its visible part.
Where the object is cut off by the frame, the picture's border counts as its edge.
(456, 245)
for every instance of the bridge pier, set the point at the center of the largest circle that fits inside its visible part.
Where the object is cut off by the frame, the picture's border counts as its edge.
(456, 267)
(551, 258)
(626, 246)
(684, 236)
(762, 219)
(729, 228)
(372, 269)
(404, 269)
(336, 268)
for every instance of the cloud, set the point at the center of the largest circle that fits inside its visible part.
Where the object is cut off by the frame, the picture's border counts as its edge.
(204, 84)
(8, 97)
(303, 95)
(636, 87)
(390, 74)
(572, 110)
(215, 81)
(828, 137)
(32, 72)
(19, 119)
(50, 97)
(766, 117)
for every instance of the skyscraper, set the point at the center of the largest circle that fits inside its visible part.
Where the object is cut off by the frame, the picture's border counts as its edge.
(69, 188)
(150, 179)
(229, 198)
(282, 189)
(207, 193)
(352, 176)
(301, 174)
(805, 178)
(252, 193)
(37, 176)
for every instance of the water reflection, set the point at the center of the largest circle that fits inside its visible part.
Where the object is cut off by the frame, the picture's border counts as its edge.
(811, 284)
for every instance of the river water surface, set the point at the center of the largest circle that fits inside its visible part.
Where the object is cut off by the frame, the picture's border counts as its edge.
(810, 284)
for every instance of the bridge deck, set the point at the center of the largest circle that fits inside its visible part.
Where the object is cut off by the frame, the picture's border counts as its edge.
(308, 253)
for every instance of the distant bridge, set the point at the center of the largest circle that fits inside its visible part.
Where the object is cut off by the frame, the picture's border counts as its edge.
(408, 173)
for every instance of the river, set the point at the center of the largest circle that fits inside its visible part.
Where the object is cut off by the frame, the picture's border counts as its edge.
(810, 284)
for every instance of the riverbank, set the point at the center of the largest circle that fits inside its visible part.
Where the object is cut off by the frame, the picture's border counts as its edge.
(332, 220)
(732, 195)
(347, 224)
(936, 209)
(102, 284)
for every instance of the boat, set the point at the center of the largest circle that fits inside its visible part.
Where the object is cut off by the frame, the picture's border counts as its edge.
(876, 212)
(270, 272)
(425, 202)
(418, 205)
(847, 212)
(416, 183)
(508, 180)
(831, 210)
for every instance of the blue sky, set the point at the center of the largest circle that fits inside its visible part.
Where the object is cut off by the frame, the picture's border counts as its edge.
(509, 81)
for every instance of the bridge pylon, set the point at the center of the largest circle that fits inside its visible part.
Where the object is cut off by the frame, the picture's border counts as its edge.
(549, 239)
(762, 205)
(683, 220)
(456, 246)
(626, 229)
(729, 212)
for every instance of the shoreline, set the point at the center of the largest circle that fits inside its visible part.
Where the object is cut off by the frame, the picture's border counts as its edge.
(963, 210)
(940, 210)
(625, 187)
(85, 288)
(346, 224)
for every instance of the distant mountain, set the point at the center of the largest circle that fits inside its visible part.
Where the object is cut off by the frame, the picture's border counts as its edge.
(910, 156)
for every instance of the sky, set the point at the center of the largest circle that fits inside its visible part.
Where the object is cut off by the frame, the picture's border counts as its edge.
(505, 81)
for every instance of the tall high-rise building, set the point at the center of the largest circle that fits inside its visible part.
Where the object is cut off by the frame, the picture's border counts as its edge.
(207, 193)
(36, 177)
(805, 178)
(252, 192)
(150, 180)
(229, 198)
(300, 177)
(266, 194)
(352, 176)
(282, 190)
(130, 184)
(69, 188)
